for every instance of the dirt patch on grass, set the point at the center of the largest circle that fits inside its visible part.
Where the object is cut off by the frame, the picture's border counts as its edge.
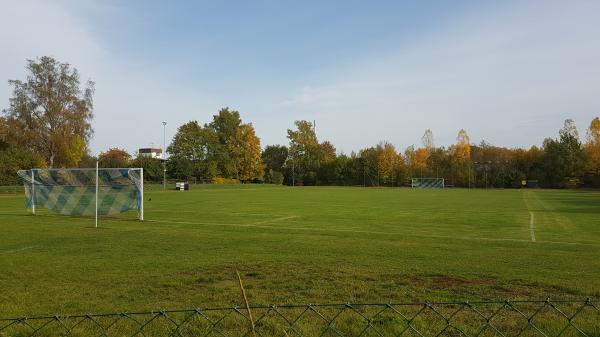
(444, 281)
(278, 283)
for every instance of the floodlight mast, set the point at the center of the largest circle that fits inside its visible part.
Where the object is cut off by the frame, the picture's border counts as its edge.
(164, 156)
(96, 194)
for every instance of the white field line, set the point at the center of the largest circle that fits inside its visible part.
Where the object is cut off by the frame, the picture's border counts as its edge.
(17, 250)
(531, 226)
(365, 232)
(275, 220)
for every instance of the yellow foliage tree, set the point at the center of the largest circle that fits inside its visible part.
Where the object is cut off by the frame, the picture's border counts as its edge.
(388, 162)
(245, 146)
(419, 160)
(592, 146)
(462, 150)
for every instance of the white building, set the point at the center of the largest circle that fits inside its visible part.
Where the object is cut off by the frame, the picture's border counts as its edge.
(150, 152)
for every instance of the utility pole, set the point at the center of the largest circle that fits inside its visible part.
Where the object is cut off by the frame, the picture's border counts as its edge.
(164, 156)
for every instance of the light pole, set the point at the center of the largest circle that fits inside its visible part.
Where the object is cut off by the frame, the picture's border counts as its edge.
(164, 156)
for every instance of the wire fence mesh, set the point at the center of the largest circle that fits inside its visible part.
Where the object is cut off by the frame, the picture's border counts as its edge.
(484, 318)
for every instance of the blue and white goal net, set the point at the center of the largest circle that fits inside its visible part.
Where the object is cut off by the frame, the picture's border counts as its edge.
(427, 183)
(85, 192)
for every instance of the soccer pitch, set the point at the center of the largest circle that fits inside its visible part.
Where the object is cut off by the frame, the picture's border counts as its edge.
(302, 245)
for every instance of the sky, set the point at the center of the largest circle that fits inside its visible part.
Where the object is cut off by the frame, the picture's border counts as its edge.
(508, 72)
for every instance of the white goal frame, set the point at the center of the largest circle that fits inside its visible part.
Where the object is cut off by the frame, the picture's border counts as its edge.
(32, 182)
(427, 183)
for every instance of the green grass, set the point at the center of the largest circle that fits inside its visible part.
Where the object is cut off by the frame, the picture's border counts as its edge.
(301, 245)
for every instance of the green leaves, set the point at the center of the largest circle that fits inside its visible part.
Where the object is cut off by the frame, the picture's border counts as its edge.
(50, 113)
(225, 147)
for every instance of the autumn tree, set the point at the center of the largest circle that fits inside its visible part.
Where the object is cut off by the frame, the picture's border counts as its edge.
(244, 149)
(225, 147)
(417, 161)
(114, 157)
(462, 149)
(388, 163)
(50, 112)
(592, 147)
(461, 165)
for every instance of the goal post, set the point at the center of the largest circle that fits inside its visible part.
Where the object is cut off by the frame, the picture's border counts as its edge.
(85, 191)
(427, 183)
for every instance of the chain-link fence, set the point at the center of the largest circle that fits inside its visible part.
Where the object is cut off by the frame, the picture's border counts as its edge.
(490, 318)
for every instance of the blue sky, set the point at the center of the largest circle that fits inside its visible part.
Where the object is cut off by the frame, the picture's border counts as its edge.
(508, 72)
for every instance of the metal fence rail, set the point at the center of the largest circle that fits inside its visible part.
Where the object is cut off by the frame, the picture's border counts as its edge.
(483, 318)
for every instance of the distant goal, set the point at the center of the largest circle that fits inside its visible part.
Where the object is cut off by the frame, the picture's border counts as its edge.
(427, 183)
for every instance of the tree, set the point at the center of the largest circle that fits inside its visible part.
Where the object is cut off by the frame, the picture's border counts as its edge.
(226, 125)
(369, 159)
(50, 113)
(114, 157)
(327, 168)
(571, 150)
(551, 164)
(327, 152)
(88, 161)
(153, 167)
(244, 148)
(427, 139)
(305, 152)
(274, 157)
(592, 147)
(416, 160)
(388, 163)
(193, 152)
(13, 159)
(462, 149)
(561, 164)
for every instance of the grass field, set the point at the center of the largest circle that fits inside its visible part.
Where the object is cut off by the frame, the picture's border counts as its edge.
(301, 245)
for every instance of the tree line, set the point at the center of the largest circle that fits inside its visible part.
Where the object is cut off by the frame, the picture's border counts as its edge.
(48, 124)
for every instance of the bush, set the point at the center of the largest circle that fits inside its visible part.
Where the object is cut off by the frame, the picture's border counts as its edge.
(276, 178)
(224, 181)
(12, 160)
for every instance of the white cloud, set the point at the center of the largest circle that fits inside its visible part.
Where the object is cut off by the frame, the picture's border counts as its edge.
(509, 75)
(130, 101)
(510, 78)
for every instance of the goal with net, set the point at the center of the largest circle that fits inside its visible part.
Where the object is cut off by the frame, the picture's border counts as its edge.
(427, 183)
(85, 192)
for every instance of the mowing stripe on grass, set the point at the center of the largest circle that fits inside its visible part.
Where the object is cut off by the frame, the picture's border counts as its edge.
(17, 250)
(367, 232)
(274, 220)
(531, 226)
